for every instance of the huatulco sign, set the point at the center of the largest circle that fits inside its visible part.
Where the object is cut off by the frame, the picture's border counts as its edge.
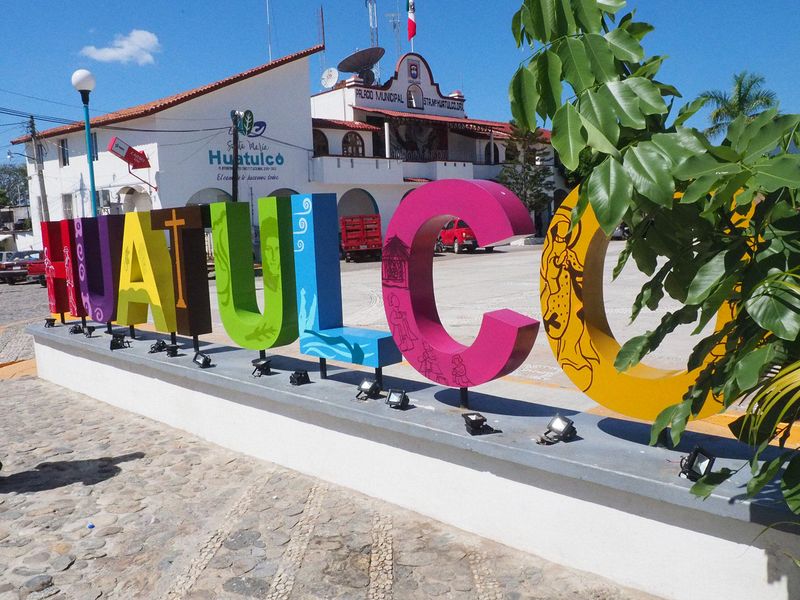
(119, 268)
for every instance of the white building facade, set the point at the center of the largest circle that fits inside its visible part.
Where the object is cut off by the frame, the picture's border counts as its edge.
(370, 145)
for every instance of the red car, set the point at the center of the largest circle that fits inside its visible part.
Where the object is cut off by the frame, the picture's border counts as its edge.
(457, 236)
(16, 270)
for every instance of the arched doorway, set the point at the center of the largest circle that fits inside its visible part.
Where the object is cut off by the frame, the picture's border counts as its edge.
(414, 97)
(135, 200)
(321, 147)
(352, 144)
(207, 196)
(489, 157)
(357, 202)
(282, 193)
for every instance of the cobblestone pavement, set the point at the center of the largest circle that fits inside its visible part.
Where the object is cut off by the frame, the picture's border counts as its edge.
(20, 305)
(99, 503)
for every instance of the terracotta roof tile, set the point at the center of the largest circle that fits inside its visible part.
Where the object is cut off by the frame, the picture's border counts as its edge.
(149, 108)
(334, 124)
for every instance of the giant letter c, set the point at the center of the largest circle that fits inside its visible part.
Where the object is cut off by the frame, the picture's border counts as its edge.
(506, 337)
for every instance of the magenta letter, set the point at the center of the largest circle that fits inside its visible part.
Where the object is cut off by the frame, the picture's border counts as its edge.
(506, 337)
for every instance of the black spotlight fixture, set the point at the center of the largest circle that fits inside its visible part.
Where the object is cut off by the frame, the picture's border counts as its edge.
(172, 350)
(397, 399)
(75, 329)
(475, 423)
(89, 330)
(49, 322)
(118, 341)
(559, 429)
(299, 377)
(202, 360)
(368, 389)
(698, 463)
(158, 346)
(261, 366)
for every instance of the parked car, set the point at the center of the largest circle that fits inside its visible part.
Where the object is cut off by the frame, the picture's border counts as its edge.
(6, 255)
(16, 270)
(457, 236)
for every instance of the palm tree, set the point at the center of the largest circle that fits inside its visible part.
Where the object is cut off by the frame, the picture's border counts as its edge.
(747, 97)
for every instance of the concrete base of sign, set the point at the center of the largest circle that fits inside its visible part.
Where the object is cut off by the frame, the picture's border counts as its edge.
(605, 502)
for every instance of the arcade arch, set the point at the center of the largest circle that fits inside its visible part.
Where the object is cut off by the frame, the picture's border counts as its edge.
(357, 201)
(135, 200)
(207, 196)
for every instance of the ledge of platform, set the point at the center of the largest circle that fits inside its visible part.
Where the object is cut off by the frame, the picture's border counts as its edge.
(609, 452)
(609, 471)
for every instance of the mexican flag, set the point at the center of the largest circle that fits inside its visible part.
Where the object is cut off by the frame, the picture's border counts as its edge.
(412, 20)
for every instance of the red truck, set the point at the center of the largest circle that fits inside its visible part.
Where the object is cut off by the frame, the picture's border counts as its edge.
(360, 237)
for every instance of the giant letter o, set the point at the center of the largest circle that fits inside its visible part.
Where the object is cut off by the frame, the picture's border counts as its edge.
(506, 337)
(574, 317)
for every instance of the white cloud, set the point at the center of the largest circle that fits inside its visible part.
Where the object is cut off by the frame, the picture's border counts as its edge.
(138, 46)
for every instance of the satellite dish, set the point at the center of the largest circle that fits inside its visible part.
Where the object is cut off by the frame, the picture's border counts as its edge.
(361, 61)
(329, 78)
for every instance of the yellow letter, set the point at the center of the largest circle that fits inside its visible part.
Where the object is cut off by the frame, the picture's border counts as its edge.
(145, 276)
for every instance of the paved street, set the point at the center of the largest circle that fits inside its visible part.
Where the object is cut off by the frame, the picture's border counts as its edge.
(96, 502)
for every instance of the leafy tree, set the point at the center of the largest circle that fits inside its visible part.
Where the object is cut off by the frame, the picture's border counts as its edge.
(526, 172)
(732, 237)
(4, 199)
(747, 97)
(14, 180)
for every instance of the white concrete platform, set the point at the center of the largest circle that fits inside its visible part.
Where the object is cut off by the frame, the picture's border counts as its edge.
(606, 502)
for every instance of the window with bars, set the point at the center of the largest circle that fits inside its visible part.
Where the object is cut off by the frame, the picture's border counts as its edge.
(66, 205)
(63, 152)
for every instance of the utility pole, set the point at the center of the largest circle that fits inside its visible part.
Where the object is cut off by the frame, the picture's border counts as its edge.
(39, 169)
(235, 116)
(394, 21)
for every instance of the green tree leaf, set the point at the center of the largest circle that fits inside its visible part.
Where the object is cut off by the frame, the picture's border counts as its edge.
(752, 128)
(568, 139)
(597, 140)
(776, 309)
(524, 98)
(610, 192)
(650, 100)
(689, 110)
(650, 174)
(790, 484)
(677, 147)
(588, 15)
(708, 276)
(601, 115)
(775, 173)
(632, 352)
(768, 136)
(767, 473)
(611, 6)
(638, 29)
(517, 29)
(543, 18)
(704, 486)
(749, 368)
(575, 63)
(625, 103)
(565, 18)
(649, 68)
(624, 46)
(600, 57)
(704, 164)
(548, 67)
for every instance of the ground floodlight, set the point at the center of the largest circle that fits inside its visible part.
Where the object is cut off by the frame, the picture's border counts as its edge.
(559, 429)
(475, 422)
(158, 346)
(118, 341)
(202, 360)
(49, 322)
(368, 389)
(261, 366)
(299, 377)
(172, 350)
(76, 329)
(89, 330)
(698, 463)
(397, 399)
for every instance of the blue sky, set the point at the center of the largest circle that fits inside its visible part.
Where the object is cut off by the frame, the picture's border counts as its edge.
(181, 45)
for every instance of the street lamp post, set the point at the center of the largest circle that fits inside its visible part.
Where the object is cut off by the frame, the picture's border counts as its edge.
(83, 81)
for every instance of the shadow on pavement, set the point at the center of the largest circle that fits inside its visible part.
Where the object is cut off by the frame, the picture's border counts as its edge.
(52, 475)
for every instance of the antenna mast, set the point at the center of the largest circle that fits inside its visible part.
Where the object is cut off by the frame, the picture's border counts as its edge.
(394, 21)
(269, 32)
(372, 7)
